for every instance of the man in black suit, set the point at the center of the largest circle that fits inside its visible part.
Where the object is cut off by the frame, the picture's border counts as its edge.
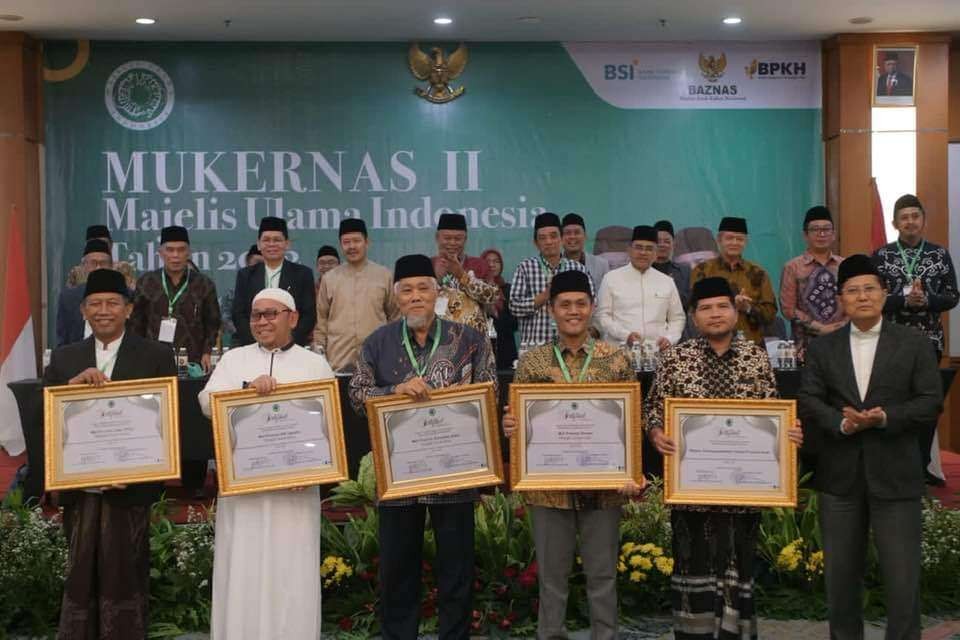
(275, 271)
(71, 327)
(869, 388)
(106, 593)
(893, 82)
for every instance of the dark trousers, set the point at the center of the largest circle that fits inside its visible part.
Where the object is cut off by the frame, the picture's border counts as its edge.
(927, 433)
(401, 559)
(844, 525)
(107, 589)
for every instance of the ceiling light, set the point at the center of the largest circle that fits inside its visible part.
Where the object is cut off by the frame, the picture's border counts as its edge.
(9, 17)
(146, 21)
(529, 19)
(861, 20)
(732, 20)
(442, 21)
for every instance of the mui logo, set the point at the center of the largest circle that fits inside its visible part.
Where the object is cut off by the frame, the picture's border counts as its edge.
(139, 95)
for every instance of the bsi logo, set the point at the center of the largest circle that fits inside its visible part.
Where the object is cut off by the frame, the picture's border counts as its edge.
(139, 95)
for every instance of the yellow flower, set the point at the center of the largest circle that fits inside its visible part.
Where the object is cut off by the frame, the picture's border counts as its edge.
(656, 552)
(664, 565)
(790, 556)
(621, 567)
(579, 560)
(636, 576)
(635, 561)
(627, 547)
(647, 548)
(815, 563)
(645, 563)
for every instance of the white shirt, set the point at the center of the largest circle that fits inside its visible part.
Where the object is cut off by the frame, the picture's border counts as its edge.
(863, 349)
(244, 364)
(272, 276)
(645, 302)
(107, 355)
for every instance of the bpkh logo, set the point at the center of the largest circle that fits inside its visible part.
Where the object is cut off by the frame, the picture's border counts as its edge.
(139, 95)
(768, 69)
(621, 71)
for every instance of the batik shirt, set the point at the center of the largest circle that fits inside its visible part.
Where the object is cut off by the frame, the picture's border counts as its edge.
(609, 364)
(808, 293)
(933, 266)
(531, 277)
(462, 357)
(197, 311)
(749, 279)
(692, 369)
(467, 295)
(78, 275)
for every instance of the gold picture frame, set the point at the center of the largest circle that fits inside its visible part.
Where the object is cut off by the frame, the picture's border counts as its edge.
(105, 437)
(626, 398)
(281, 436)
(476, 402)
(908, 56)
(722, 426)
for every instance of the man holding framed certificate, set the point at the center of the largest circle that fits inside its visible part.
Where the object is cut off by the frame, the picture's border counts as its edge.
(413, 356)
(266, 569)
(559, 516)
(107, 588)
(714, 547)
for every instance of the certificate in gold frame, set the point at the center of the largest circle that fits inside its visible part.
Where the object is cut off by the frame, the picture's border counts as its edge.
(379, 410)
(626, 393)
(783, 414)
(57, 401)
(223, 402)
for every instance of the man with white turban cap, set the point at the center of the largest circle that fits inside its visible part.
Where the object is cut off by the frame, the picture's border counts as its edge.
(266, 573)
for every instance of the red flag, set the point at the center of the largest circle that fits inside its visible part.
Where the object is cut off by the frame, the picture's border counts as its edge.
(17, 356)
(878, 228)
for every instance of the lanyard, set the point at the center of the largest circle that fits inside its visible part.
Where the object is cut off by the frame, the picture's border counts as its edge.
(547, 271)
(413, 360)
(183, 287)
(583, 369)
(910, 265)
(268, 277)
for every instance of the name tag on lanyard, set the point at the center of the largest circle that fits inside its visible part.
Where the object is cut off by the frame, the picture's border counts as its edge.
(168, 329)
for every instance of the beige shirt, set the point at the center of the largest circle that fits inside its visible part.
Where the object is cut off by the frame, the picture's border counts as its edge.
(351, 303)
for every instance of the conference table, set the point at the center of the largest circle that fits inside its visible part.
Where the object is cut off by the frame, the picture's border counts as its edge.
(196, 436)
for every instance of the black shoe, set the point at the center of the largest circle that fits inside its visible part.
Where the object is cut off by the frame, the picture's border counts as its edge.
(933, 480)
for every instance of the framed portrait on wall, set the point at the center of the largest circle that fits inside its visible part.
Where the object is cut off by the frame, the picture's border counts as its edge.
(894, 73)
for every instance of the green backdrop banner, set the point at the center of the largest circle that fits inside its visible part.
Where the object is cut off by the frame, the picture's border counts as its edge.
(215, 136)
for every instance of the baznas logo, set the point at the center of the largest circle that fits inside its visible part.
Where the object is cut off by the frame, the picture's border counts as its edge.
(712, 68)
(139, 95)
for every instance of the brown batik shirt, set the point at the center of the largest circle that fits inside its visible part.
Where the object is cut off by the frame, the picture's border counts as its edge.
(692, 369)
(197, 311)
(609, 364)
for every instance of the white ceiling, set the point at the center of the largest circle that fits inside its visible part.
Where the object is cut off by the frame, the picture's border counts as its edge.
(474, 20)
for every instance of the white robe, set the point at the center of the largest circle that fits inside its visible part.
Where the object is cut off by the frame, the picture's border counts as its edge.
(266, 567)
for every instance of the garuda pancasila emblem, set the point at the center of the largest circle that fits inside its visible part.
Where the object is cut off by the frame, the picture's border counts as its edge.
(438, 71)
(713, 68)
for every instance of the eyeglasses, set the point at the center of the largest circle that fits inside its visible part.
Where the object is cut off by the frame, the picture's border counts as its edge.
(854, 292)
(269, 315)
(822, 231)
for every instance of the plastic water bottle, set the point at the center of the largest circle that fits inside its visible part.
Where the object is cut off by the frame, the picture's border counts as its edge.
(182, 361)
(214, 358)
(319, 350)
(649, 350)
(47, 355)
(636, 354)
(791, 355)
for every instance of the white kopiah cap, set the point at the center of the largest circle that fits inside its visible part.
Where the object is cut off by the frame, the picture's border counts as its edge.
(279, 295)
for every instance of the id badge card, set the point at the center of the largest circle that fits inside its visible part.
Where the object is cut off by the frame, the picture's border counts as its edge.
(441, 305)
(168, 329)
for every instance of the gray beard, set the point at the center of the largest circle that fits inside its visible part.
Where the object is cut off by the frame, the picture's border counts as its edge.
(418, 322)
